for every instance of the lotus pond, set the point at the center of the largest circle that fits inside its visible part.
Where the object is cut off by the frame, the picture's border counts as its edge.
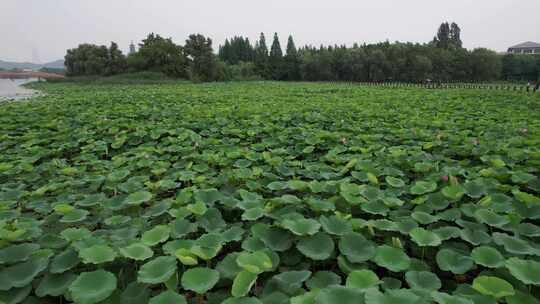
(269, 193)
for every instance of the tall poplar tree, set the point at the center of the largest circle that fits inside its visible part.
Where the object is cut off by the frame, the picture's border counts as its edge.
(261, 56)
(276, 64)
(442, 40)
(455, 35)
(275, 51)
(292, 61)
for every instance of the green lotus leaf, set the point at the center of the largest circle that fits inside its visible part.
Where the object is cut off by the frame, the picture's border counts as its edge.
(423, 280)
(63, 208)
(305, 298)
(207, 246)
(168, 297)
(356, 248)
(424, 218)
(422, 187)
(17, 253)
(75, 234)
(493, 286)
(487, 256)
(54, 284)
(317, 247)
(277, 185)
(522, 177)
(243, 300)
(182, 227)
(18, 295)
(394, 182)
(64, 261)
(391, 258)
(186, 257)
(527, 271)
(137, 251)
(97, 254)
(92, 200)
(228, 268)
(393, 202)
(450, 260)
(290, 282)
(242, 283)
(118, 175)
(157, 270)
(335, 225)
(491, 218)
(302, 226)
(454, 192)
(323, 279)
(527, 198)
(274, 238)
(475, 189)
(475, 236)
(447, 232)
(199, 208)
(156, 235)
(74, 216)
(20, 275)
(297, 185)
(512, 244)
(385, 225)
(339, 294)
(520, 298)
(138, 198)
(528, 229)
(200, 279)
(362, 279)
(208, 196)
(444, 298)
(375, 207)
(117, 220)
(255, 262)
(391, 296)
(92, 287)
(424, 237)
(253, 214)
(134, 292)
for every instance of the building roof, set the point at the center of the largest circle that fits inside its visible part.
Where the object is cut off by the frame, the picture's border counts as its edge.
(528, 44)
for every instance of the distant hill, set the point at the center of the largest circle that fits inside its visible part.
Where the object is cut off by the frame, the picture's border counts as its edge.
(8, 65)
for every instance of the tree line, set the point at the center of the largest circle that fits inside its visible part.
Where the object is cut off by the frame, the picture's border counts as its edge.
(443, 59)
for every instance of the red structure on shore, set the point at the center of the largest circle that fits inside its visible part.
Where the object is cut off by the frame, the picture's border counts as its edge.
(24, 75)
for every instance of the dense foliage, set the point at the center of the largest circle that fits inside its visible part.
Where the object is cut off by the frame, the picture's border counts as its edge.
(269, 193)
(89, 59)
(521, 67)
(443, 59)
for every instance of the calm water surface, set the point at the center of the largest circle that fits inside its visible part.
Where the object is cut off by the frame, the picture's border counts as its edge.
(12, 89)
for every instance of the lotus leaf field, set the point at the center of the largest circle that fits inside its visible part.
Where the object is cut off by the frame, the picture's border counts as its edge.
(246, 193)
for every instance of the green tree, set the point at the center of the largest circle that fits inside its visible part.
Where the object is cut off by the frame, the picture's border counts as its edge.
(261, 56)
(455, 35)
(159, 54)
(86, 59)
(116, 61)
(485, 65)
(291, 61)
(203, 62)
(276, 60)
(442, 40)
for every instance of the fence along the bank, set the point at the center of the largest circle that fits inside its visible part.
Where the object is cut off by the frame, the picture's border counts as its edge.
(433, 85)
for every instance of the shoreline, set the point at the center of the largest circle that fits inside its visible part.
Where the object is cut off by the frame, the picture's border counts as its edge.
(12, 90)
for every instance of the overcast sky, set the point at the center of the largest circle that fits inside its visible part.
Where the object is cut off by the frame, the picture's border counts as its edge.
(32, 30)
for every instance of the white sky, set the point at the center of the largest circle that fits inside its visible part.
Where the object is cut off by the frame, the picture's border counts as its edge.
(44, 29)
